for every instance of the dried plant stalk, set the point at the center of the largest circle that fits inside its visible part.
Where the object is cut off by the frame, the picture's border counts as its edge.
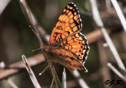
(64, 79)
(80, 80)
(119, 13)
(35, 29)
(12, 84)
(116, 71)
(31, 73)
(99, 22)
(55, 76)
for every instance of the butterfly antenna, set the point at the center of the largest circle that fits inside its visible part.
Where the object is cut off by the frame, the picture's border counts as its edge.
(36, 49)
(44, 70)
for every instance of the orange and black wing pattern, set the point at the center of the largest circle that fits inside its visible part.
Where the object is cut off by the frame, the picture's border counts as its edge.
(78, 44)
(68, 23)
(69, 47)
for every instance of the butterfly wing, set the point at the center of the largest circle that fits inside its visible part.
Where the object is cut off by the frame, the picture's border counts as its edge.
(66, 36)
(68, 23)
(78, 44)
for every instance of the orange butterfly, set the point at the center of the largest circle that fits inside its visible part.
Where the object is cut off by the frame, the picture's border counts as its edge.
(67, 46)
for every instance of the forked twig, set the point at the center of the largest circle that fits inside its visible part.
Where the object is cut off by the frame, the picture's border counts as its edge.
(31, 73)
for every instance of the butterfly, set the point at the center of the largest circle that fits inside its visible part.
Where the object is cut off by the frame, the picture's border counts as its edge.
(67, 45)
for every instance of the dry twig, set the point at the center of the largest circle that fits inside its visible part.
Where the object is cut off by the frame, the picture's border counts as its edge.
(103, 61)
(64, 79)
(80, 80)
(3, 4)
(119, 13)
(12, 84)
(19, 66)
(116, 71)
(99, 22)
(31, 73)
(36, 29)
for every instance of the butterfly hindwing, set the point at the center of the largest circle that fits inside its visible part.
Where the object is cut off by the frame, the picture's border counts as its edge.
(78, 44)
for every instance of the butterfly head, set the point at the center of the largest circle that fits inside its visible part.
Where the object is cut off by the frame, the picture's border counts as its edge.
(44, 49)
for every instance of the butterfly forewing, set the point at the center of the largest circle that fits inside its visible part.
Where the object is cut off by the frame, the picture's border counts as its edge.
(68, 24)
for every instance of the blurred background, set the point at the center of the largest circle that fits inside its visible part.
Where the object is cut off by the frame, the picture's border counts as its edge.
(16, 38)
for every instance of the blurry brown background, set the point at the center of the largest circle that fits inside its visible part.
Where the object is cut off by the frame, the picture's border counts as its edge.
(16, 38)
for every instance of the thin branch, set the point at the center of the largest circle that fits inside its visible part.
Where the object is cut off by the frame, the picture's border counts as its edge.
(55, 76)
(119, 13)
(51, 86)
(98, 21)
(19, 66)
(64, 79)
(44, 70)
(31, 73)
(116, 71)
(36, 29)
(3, 5)
(31, 19)
(104, 70)
(80, 80)
(12, 84)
